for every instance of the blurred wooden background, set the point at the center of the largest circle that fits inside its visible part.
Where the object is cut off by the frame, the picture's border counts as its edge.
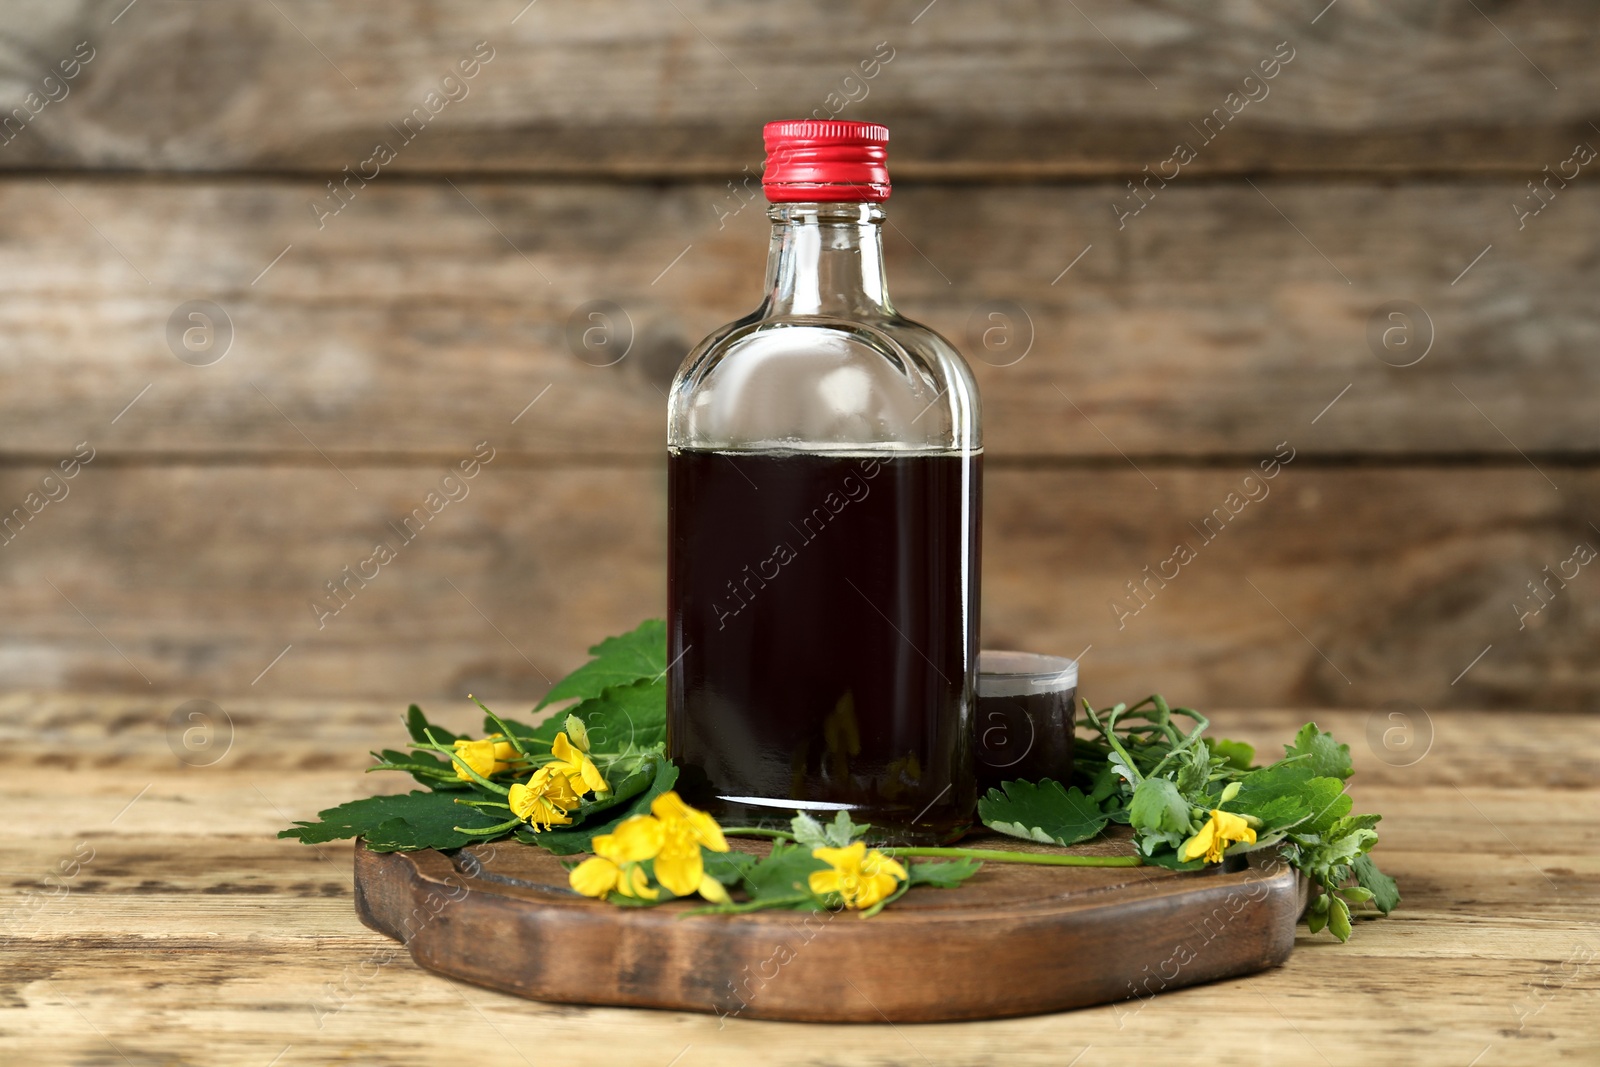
(601, 152)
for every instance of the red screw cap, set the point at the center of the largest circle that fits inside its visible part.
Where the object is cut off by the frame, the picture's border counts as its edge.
(825, 160)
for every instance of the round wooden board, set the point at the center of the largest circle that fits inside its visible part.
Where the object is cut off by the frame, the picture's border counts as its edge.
(1014, 940)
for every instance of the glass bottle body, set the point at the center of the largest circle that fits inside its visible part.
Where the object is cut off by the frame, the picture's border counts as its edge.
(824, 488)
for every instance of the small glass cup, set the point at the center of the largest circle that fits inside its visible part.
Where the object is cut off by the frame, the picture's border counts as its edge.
(1026, 708)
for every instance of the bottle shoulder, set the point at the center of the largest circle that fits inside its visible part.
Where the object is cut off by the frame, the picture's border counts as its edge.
(799, 381)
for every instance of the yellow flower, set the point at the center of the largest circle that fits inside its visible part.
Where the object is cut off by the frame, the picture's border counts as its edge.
(679, 866)
(615, 866)
(598, 877)
(672, 835)
(860, 877)
(633, 841)
(1220, 831)
(571, 761)
(488, 756)
(545, 800)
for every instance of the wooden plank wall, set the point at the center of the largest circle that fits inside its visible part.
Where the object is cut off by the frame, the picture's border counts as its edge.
(1162, 342)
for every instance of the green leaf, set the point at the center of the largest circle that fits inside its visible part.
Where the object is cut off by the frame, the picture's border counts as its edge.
(808, 831)
(729, 868)
(1275, 813)
(571, 840)
(417, 725)
(1107, 784)
(942, 874)
(1385, 894)
(842, 830)
(1329, 759)
(1239, 755)
(1157, 805)
(1042, 811)
(640, 654)
(784, 873)
(1194, 769)
(402, 822)
(1325, 798)
(625, 718)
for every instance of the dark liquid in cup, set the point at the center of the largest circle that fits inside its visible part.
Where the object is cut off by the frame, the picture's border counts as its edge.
(1025, 737)
(822, 624)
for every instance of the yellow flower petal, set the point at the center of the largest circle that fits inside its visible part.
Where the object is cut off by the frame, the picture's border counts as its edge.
(569, 760)
(714, 891)
(1200, 843)
(594, 877)
(638, 838)
(670, 808)
(876, 863)
(1222, 829)
(679, 866)
(850, 856)
(823, 882)
(635, 883)
(590, 775)
(489, 756)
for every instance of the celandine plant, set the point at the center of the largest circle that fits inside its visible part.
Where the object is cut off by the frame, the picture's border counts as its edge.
(595, 780)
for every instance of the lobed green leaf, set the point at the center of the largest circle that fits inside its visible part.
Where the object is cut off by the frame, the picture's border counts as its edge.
(1042, 811)
(638, 655)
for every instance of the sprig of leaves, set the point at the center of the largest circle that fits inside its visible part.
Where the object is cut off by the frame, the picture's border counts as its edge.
(621, 712)
(1149, 766)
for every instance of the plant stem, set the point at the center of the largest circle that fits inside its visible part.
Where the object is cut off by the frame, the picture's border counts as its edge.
(1000, 855)
(756, 831)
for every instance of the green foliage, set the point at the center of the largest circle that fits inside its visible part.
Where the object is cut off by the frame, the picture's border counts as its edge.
(417, 725)
(1042, 811)
(622, 660)
(840, 832)
(1385, 894)
(1148, 765)
(782, 876)
(402, 822)
(731, 867)
(944, 874)
(1329, 759)
(1158, 807)
(622, 714)
(1238, 755)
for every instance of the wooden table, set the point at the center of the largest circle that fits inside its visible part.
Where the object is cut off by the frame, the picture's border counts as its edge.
(182, 932)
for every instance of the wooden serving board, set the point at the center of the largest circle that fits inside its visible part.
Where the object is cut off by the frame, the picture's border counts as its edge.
(1014, 940)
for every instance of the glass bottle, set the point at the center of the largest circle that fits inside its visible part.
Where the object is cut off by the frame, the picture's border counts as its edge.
(824, 469)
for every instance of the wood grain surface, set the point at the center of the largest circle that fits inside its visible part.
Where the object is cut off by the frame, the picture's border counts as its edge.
(191, 936)
(161, 154)
(1019, 940)
(1339, 586)
(633, 88)
(1207, 326)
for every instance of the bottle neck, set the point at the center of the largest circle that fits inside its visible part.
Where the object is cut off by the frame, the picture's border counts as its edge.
(827, 259)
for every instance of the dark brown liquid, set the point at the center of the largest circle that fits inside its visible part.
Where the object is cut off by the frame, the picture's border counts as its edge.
(822, 631)
(1025, 737)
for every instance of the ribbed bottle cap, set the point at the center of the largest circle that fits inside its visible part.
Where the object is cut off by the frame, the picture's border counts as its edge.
(825, 160)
